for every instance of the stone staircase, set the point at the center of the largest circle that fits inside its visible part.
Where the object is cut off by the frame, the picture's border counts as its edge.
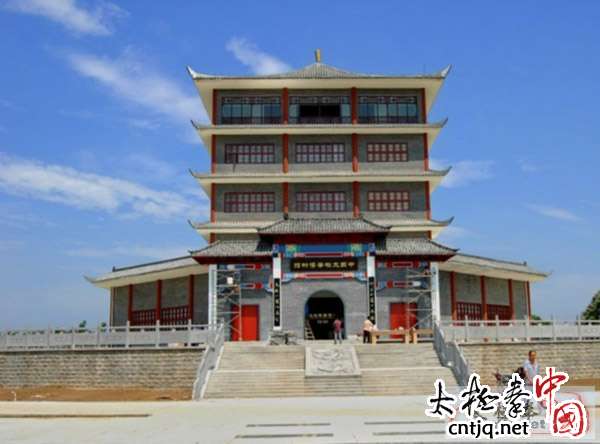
(255, 370)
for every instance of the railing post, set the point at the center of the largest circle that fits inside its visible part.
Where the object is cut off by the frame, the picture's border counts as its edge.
(157, 334)
(48, 337)
(466, 328)
(579, 335)
(189, 333)
(527, 338)
(497, 329)
(98, 336)
(73, 338)
(127, 335)
(553, 329)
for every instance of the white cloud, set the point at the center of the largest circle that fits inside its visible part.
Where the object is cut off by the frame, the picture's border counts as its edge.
(527, 166)
(128, 79)
(464, 172)
(258, 61)
(138, 251)
(66, 185)
(554, 212)
(70, 15)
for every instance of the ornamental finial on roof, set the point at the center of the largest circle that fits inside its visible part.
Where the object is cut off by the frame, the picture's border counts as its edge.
(318, 55)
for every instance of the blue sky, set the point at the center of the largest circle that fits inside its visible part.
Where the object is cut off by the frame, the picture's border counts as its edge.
(95, 140)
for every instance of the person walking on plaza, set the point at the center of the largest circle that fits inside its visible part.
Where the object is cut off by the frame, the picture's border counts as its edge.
(367, 327)
(337, 331)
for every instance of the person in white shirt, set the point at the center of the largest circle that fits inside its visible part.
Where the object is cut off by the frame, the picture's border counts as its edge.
(531, 367)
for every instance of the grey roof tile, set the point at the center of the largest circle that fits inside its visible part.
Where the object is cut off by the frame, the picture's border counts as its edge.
(235, 248)
(419, 246)
(323, 225)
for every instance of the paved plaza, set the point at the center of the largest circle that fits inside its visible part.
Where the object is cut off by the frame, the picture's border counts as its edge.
(248, 421)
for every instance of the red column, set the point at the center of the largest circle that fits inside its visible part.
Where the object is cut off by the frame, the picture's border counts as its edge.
(511, 302)
(215, 109)
(285, 140)
(428, 200)
(158, 298)
(423, 106)
(354, 152)
(285, 191)
(191, 297)
(129, 302)
(484, 310)
(528, 289)
(453, 294)
(356, 198)
(213, 154)
(354, 105)
(212, 237)
(213, 201)
(425, 152)
(285, 106)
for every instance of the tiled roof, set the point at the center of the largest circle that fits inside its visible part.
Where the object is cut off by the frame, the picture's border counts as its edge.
(147, 268)
(396, 172)
(498, 264)
(234, 248)
(322, 226)
(419, 246)
(348, 126)
(321, 71)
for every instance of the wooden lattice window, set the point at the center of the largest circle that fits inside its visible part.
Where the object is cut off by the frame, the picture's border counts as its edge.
(387, 152)
(174, 315)
(471, 310)
(388, 201)
(315, 201)
(143, 317)
(249, 202)
(320, 152)
(250, 153)
(502, 311)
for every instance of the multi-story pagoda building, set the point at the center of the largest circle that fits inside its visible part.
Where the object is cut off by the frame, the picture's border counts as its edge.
(320, 207)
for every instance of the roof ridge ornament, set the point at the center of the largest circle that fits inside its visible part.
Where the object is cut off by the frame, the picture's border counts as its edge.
(318, 55)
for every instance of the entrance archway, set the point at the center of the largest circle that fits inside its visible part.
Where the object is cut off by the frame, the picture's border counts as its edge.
(321, 309)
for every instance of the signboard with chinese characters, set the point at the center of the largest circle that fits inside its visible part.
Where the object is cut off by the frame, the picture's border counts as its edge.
(324, 264)
(371, 300)
(276, 303)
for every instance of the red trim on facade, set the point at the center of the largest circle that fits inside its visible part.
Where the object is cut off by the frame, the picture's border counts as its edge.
(158, 299)
(285, 111)
(213, 202)
(354, 104)
(285, 139)
(213, 154)
(190, 297)
(425, 152)
(285, 191)
(355, 152)
(484, 314)
(215, 109)
(528, 289)
(423, 106)
(129, 302)
(511, 302)
(428, 199)
(453, 295)
(208, 260)
(356, 198)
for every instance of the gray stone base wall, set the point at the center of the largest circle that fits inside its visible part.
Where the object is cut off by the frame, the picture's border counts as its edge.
(100, 368)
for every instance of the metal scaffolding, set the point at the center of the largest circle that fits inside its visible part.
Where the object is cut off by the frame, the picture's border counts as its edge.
(422, 287)
(225, 299)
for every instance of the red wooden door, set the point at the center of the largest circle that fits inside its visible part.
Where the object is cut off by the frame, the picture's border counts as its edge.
(403, 314)
(248, 321)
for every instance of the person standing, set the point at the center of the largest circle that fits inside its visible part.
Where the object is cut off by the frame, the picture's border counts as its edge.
(337, 331)
(367, 327)
(531, 367)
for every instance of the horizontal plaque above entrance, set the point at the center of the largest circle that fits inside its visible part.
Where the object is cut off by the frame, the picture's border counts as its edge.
(324, 264)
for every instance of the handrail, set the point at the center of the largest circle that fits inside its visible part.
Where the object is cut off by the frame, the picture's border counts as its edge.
(451, 355)
(208, 361)
(157, 336)
(499, 330)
